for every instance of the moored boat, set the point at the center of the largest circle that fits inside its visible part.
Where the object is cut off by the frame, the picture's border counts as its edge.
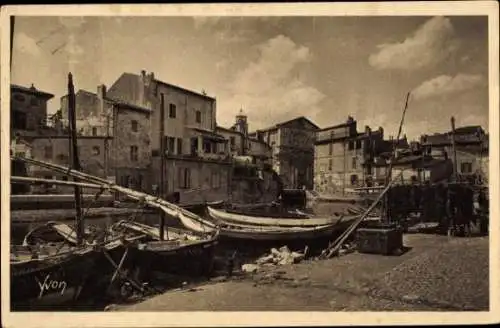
(280, 233)
(226, 217)
(182, 252)
(49, 270)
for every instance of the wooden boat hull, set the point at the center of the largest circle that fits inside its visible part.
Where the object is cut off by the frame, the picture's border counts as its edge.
(189, 260)
(71, 277)
(225, 217)
(243, 232)
(46, 283)
(175, 255)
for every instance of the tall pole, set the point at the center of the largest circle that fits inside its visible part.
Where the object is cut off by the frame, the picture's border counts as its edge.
(161, 189)
(12, 23)
(393, 153)
(455, 166)
(75, 161)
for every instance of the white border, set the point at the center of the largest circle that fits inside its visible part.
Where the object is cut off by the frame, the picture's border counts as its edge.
(143, 319)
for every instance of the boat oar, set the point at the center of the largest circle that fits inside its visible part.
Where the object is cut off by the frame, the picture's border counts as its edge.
(327, 253)
(119, 266)
(119, 272)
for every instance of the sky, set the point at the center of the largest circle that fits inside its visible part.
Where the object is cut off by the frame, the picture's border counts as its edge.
(276, 68)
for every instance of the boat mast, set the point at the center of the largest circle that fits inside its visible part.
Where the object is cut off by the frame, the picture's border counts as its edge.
(454, 149)
(12, 22)
(393, 154)
(161, 188)
(75, 163)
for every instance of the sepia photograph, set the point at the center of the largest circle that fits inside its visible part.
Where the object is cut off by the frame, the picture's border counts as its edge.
(249, 158)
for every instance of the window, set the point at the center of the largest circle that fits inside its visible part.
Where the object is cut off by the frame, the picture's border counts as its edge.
(330, 164)
(194, 145)
(19, 120)
(354, 163)
(354, 179)
(171, 145)
(184, 178)
(19, 97)
(466, 167)
(135, 125)
(232, 141)
(330, 149)
(96, 150)
(351, 145)
(358, 144)
(48, 152)
(134, 156)
(198, 116)
(155, 153)
(172, 111)
(207, 146)
(94, 131)
(124, 180)
(65, 178)
(179, 146)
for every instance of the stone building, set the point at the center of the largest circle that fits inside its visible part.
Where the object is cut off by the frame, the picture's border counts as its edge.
(28, 110)
(292, 149)
(241, 143)
(55, 149)
(124, 129)
(344, 158)
(196, 161)
(471, 145)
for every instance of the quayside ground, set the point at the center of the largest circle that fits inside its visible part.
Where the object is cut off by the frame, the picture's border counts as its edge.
(437, 273)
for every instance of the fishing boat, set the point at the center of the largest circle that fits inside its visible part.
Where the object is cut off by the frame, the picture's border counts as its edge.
(221, 216)
(274, 233)
(49, 269)
(181, 252)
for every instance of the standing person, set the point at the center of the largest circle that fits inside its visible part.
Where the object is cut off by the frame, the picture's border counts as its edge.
(441, 194)
(451, 209)
(483, 211)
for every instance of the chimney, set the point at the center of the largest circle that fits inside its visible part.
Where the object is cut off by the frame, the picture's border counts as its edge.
(101, 91)
(368, 131)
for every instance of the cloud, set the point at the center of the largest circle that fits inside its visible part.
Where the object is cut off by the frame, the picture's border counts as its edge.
(445, 84)
(271, 88)
(430, 44)
(26, 44)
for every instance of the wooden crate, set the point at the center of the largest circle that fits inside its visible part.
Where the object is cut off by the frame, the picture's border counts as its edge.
(384, 240)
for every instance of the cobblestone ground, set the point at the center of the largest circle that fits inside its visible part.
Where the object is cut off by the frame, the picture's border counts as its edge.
(435, 274)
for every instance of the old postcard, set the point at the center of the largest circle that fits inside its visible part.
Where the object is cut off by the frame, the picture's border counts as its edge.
(257, 164)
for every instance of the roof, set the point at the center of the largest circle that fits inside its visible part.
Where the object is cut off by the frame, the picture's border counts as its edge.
(207, 133)
(338, 126)
(227, 130)
(468, 129)
(128, 105)
(31, 90)
(259, 141)
(136, 77)
(278, 125)
(115, 101)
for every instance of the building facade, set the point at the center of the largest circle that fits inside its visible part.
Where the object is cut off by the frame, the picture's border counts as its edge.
(292, 150)
(471, 149)
(345, 158)
(124, 129)
(28, 110)
(195, 159)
